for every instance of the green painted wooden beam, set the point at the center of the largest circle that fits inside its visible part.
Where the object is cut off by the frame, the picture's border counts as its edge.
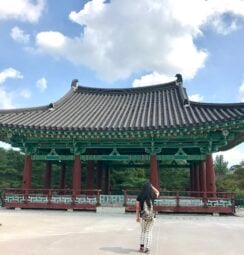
(118, 157)
(52, 157)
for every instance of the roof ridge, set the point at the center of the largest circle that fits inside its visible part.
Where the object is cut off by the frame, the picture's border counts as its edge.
(126, 90)
(194, 103)
(39, 108)
(25, 109)
(64, 98)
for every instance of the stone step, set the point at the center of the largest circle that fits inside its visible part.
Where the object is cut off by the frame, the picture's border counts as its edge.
(109, 209)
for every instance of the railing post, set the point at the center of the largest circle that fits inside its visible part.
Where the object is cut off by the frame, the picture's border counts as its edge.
(233, 202)
(98, 197)
(125, 198)
(205, 198)
(2, 197)
(73, 196)
(26, 194)
(49, 196)
(177, 199)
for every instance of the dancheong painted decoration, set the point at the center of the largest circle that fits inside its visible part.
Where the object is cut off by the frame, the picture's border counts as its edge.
(95, 126)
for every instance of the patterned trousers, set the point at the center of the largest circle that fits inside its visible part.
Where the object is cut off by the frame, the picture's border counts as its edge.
(146, 233)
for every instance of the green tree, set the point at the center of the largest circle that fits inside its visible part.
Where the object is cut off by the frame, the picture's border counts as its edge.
(127, 177)
(11, 164)
(233, 182)
(221, 166)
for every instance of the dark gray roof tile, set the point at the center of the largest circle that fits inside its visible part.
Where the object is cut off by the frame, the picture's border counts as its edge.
(155, 107)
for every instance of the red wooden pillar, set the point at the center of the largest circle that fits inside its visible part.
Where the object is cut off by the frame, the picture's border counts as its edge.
(197, 180)
(90, 175)
(107, 179)
(99, 174)
(154, 171)
(77, 175)
(48, 175)
(203, 182)
(62, 176)
(27, 173)
(210, 174)
(192, 179)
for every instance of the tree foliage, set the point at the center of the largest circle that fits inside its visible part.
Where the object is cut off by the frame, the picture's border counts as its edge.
(171, 179)
(233, 180)
(174, 179)
(10, 171)
(221, 166)
(127, 178)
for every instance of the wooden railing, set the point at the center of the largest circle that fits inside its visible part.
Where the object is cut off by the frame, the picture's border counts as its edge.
(168, 201)
(52, 198)
(187, 201)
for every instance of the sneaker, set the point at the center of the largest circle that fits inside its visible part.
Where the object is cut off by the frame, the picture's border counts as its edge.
(141, 249)
(147, 251)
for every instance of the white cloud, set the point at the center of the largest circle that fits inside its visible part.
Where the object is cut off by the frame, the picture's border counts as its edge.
(6, 99)
(233, 156)
(196, 98)
(10, 73)
(24, 10)
(241, 93)
(94, 7)
(223, 28)
(19, 35)
(25, 93)
(6, 146)
(125, 37)
(152, 79)
(42, 84)
(242, 88)
(50, 39)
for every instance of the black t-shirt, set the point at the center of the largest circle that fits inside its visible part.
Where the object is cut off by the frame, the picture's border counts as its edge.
(141, 201)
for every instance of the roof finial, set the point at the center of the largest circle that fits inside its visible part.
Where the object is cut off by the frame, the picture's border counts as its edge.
(182, 90)
(51, 107)
(74, 84)
(179, 78)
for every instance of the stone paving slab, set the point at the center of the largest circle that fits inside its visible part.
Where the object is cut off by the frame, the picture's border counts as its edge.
(33, 232)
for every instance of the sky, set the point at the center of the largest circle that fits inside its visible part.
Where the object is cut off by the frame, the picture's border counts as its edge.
(45, 44)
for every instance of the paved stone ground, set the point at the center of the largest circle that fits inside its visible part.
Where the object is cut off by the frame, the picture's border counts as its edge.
(30, 232)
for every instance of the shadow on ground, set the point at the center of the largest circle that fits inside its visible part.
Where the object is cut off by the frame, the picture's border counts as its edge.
(118, 250)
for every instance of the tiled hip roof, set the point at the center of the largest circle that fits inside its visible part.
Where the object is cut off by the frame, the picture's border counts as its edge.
(155, 107)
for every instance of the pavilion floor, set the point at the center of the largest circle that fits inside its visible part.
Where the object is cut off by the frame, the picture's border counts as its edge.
(28, 232)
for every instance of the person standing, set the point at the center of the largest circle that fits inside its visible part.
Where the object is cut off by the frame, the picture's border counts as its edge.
(144, 211)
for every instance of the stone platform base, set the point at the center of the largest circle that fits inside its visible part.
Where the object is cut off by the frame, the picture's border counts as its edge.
(106, 209)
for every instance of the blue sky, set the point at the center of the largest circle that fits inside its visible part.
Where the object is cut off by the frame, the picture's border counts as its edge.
(45, 44)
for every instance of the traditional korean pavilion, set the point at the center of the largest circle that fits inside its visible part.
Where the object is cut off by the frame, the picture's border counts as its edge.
(94, 126)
